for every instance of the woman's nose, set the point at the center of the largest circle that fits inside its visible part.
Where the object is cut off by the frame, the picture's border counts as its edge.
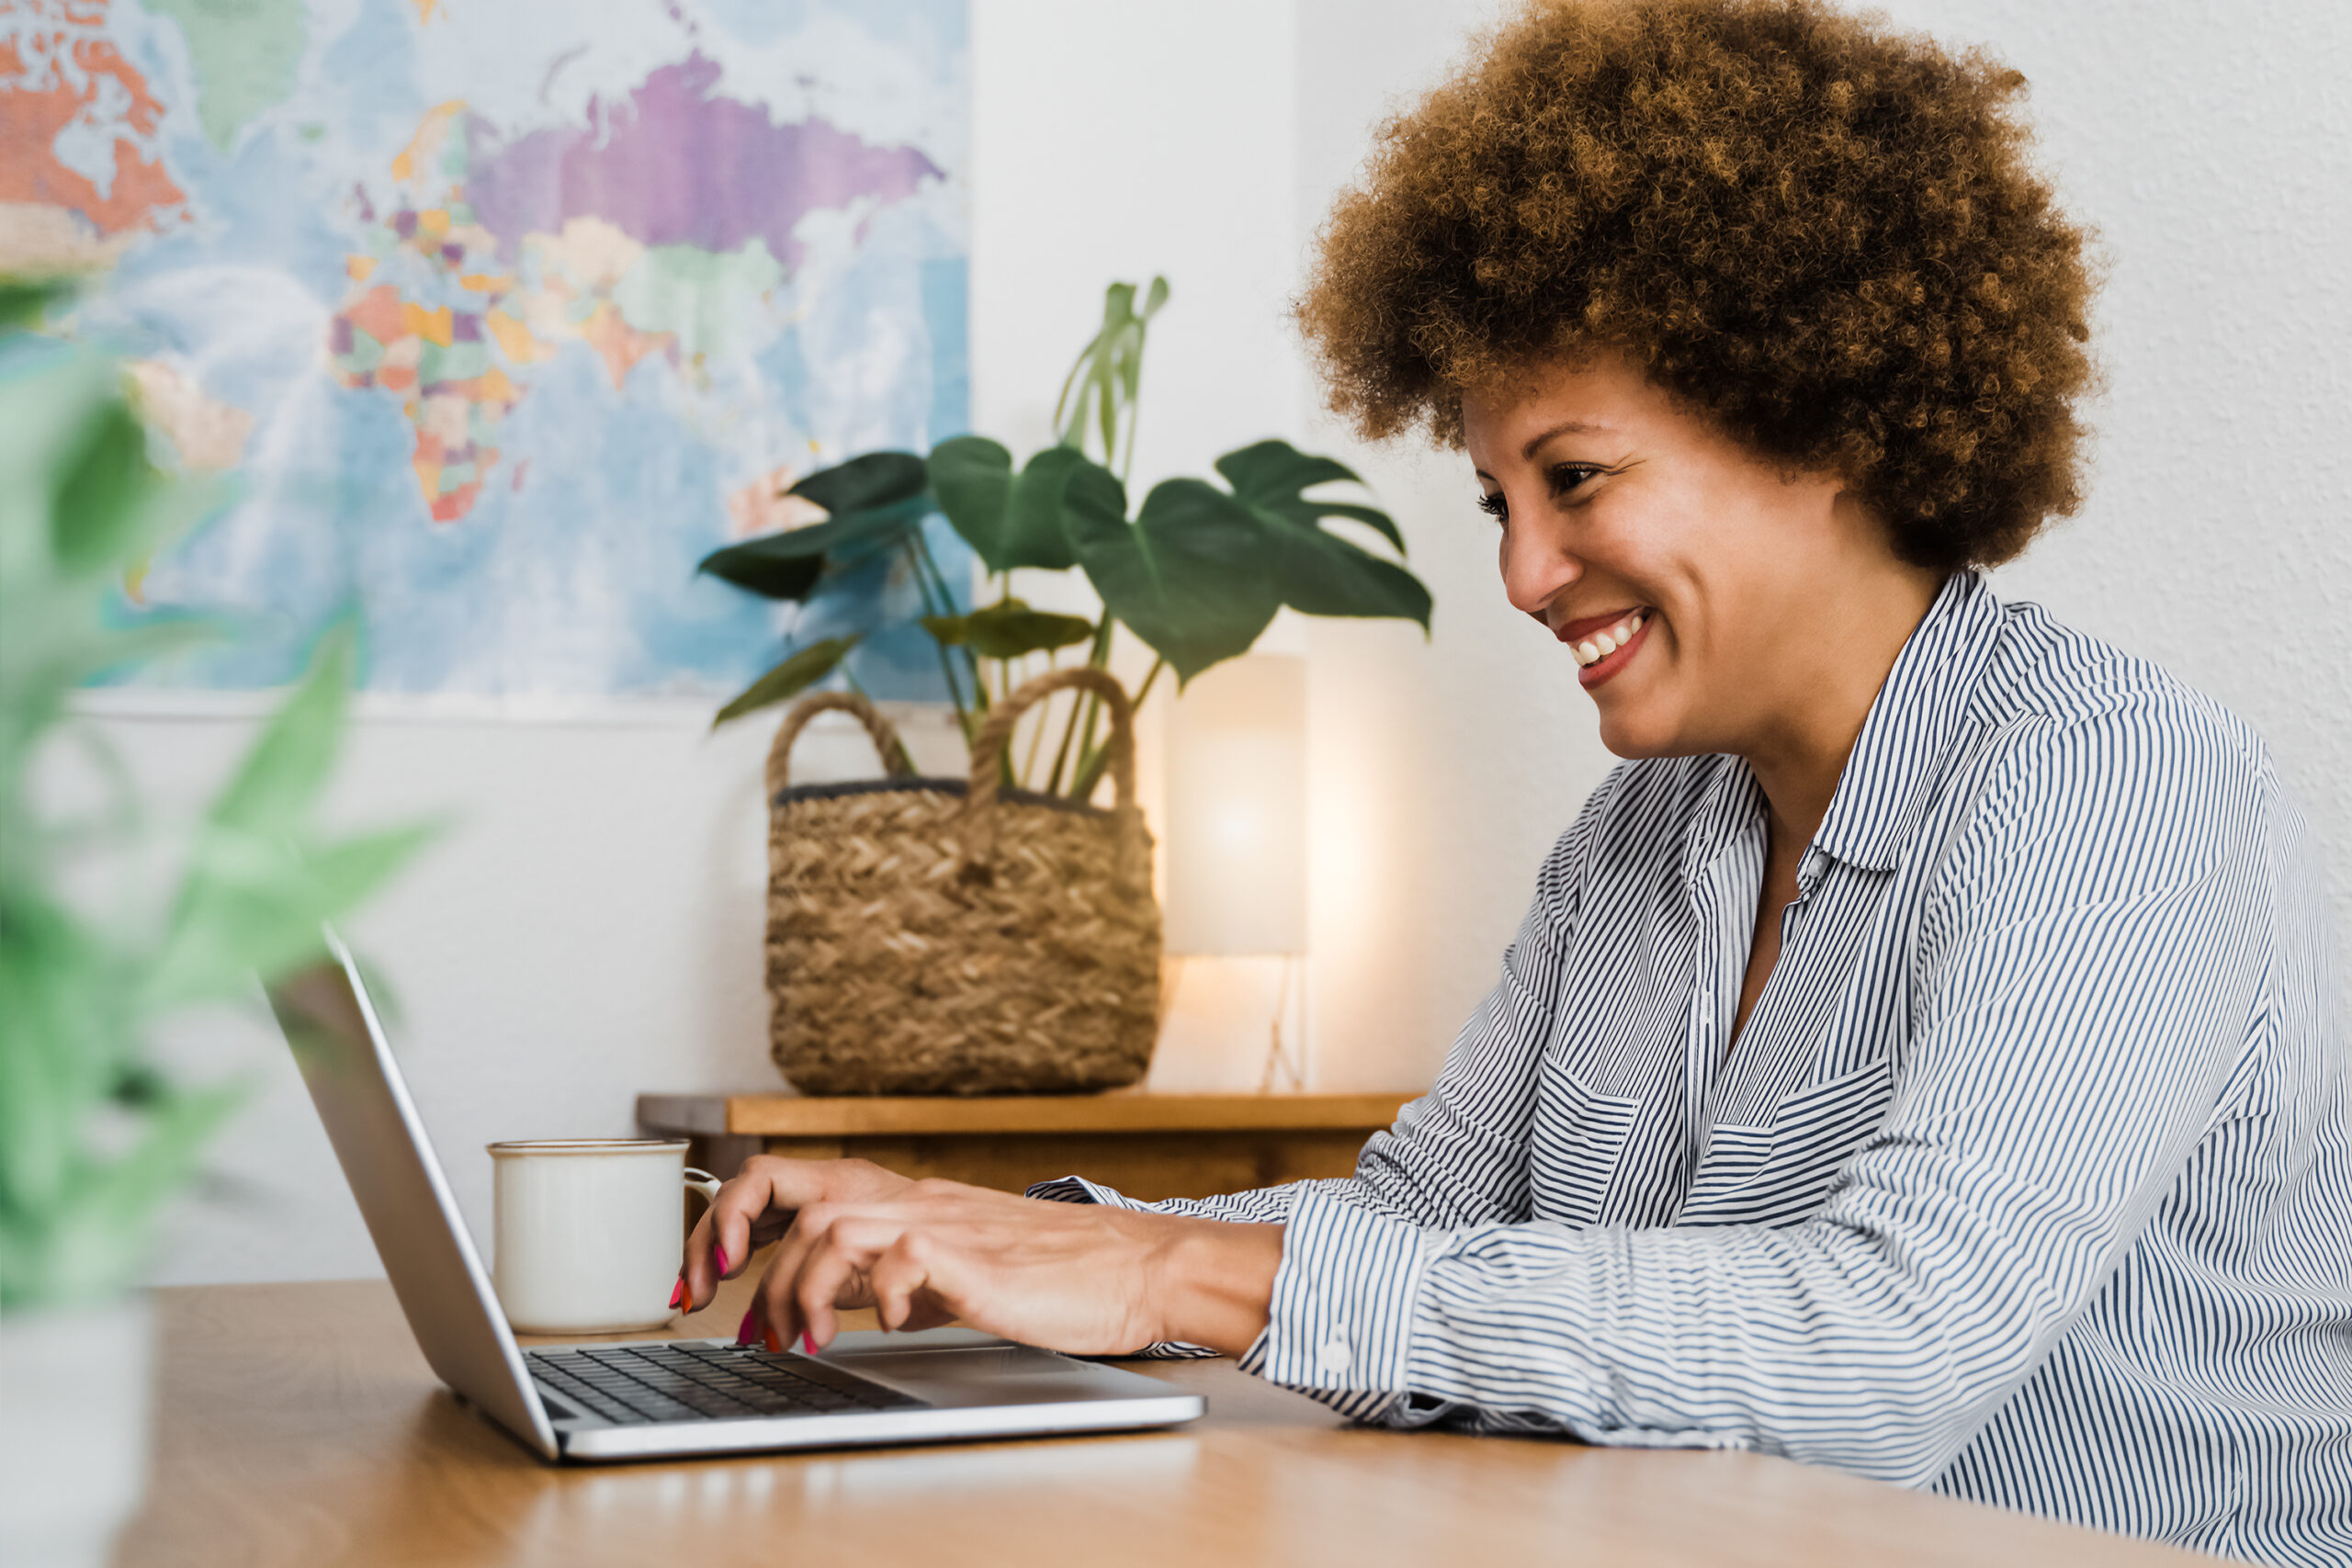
(1534, 567)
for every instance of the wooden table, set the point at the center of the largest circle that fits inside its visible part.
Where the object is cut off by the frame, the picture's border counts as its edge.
(1148, 1146)
(298, 1427)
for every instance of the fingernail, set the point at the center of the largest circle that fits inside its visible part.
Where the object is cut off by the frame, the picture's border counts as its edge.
(807, 1346)
(720, 1253)
(744, 1334)
(776, 1343)
(678, 1291)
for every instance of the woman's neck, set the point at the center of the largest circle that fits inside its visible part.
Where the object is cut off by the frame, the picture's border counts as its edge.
(1801, 750)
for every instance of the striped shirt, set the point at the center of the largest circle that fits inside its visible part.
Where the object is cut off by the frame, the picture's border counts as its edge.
(2030, 1178)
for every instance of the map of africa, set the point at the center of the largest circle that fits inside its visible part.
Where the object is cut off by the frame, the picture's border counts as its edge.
(503, 314)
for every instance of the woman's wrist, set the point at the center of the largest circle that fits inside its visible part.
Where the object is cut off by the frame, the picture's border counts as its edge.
(1213, 1281)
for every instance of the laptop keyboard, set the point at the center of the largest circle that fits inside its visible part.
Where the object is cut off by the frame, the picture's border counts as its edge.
(633, 1385)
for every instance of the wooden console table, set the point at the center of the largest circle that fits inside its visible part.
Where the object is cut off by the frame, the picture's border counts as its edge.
(1148, 1146)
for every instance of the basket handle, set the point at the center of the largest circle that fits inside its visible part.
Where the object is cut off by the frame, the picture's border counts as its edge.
(894, 761)
(980, 809)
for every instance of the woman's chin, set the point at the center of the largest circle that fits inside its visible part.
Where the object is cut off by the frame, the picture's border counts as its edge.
(1631, 733)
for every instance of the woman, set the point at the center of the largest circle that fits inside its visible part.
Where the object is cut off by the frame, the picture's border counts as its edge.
(1920, 1056)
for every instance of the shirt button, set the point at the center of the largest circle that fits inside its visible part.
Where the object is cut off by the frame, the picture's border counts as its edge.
(1335, 1356)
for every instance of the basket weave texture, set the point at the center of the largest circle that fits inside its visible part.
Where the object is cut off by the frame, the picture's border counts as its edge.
(940, 936)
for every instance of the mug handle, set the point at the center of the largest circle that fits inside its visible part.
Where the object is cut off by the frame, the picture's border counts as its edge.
(703, 1182)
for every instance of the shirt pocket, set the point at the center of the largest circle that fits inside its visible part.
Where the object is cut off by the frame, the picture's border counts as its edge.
(1575, 1146)
(1779, 1174)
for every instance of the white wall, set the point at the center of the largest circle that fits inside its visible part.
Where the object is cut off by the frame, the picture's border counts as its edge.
(591, 925)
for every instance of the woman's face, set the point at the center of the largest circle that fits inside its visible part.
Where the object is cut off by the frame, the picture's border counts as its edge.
(1713, 601)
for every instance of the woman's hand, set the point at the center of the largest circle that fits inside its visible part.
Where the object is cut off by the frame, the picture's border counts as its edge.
(1086, 1278)
(755, 1207)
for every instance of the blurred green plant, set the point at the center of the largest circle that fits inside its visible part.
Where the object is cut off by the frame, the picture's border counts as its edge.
(94, 1136)
(1196, 574)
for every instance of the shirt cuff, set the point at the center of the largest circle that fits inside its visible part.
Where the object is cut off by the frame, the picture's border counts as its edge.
(1078, 1190)
(1340, 1322)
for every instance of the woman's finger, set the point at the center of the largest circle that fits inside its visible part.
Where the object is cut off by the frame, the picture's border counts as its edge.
(899, 1278)
(836, 1273)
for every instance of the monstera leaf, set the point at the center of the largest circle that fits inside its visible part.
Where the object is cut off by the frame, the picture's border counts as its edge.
(789, 679)
(1009, 629)
(1019, 520)
(872, 502)
(1193, 575)
(1320, 572)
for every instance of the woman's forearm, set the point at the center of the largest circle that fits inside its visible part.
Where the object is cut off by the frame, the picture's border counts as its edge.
(1214, 1281)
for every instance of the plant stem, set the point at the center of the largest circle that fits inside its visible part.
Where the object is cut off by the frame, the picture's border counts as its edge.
(920, 557)
(1097, 656)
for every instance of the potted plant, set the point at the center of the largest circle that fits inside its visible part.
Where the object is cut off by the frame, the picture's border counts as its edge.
(998, 933)
(95, 1136)
(1196, 573)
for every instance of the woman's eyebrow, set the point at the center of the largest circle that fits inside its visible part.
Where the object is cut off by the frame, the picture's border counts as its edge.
(1566, 427)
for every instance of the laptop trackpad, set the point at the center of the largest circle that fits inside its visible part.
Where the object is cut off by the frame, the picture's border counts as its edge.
(996, 1374)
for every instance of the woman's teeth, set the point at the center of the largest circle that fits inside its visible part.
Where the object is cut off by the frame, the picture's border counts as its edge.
(1599, 646)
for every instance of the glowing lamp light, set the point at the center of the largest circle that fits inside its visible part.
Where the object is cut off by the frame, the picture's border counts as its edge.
(1237, 825)
(1237, 809)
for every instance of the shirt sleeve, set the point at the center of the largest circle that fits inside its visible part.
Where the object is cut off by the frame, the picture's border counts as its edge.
(2093, 967)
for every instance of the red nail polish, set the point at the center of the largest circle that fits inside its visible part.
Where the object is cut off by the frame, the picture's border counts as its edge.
(807, 1346)
(719, 1253)
(744, 1334)
(776, 1343)
(678, 1293)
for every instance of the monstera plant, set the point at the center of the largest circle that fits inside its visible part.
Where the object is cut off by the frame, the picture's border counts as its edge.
(1196, 572)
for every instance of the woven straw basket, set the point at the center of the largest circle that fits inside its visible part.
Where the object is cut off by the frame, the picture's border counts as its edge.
(942, 936)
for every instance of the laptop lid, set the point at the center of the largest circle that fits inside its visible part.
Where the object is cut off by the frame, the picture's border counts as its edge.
(339, 1044)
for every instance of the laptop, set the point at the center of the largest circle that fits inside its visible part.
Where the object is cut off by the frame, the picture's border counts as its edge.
(649, 1399)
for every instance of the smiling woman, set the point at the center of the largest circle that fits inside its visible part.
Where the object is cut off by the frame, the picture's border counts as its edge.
(1921, 1054)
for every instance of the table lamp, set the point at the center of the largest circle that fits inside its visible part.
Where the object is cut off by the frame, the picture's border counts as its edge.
(1237, 825)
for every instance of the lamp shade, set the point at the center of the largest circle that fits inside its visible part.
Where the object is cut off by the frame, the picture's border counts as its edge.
(1237, 809)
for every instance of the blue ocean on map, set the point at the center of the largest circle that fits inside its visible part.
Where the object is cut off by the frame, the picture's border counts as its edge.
(499, 315)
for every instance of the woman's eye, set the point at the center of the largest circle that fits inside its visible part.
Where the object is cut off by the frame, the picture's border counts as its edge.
(1493, 504)
(1568, 475)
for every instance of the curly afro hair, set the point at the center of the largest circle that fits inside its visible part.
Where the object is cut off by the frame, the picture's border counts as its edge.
(1821, 233)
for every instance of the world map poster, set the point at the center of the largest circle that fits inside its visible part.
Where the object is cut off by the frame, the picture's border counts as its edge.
(501, 315)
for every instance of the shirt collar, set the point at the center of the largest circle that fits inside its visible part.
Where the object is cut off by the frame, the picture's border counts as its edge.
(1903, 749)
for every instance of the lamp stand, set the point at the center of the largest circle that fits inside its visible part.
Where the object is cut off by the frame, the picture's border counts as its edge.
(1279, 1062)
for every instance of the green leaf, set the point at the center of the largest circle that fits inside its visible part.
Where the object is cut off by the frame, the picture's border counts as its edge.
(1194, 576)
(1020, 521)
(24, 302)
(872, 502)
(787, 565)
(253, 905)
(282, 775)
(867, 483)
(972, 476)
(1009, 629)
(1320, 572)
(796, 674)
(105, 491)
(1274, 474)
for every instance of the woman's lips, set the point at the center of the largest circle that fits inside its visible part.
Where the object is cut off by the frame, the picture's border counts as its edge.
(1609, 663)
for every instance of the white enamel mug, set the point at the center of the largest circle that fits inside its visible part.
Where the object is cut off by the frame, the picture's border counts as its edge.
(589, 1231)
